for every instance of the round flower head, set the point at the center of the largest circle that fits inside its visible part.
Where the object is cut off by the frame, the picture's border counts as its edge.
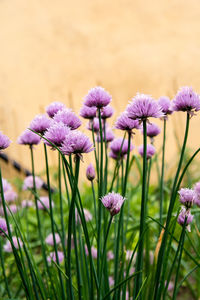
(113, 202)
(94, 124)
(88, 215)
(26, 203)
(111, 281)
(6, 185)
(125, 123)
(185, 213)
(56, 134)
(150, 150)
(16, 241)
(110, 255)
(53, 108)
(49, 239)
(152, 130)
(52, 256)
(76, 143)
(166, 105)
(90, 172)
(143, 107)
(40, 124)
(87, 112)
(3, 227)
(97, 97)
(186, 100)
(13, 209)
(28, 138)
(107, 112)
(44, 204)
(10, 196)
(119, 147)
(93, 251)
(197, 193)
(109, 136)
(68, 118)
(28, 183)
(4, 141)
(187, 197)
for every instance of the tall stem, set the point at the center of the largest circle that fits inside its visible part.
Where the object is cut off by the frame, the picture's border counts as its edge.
(162, 172)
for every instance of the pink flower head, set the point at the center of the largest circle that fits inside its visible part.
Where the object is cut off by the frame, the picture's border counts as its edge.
(152, 130)
(52, 256)
(40, 123)
(12, 209)
(186, 100)
(185, 213)
(166, 105)
(26, 203)
(76, 143)
(109, 136)
(113, 202)
(93, 251)
(97, 97)
(3, 226)
(44, 204)
(187, 197)
(90, 172)
(197, 193)
(10, 196)
(111, 281)
(49, 239)
(6, 185)
(110, 255)
(68, 118)
(88, 215)
(95, 124)
(143, 107)
(119, 148)
(53, 108)
(125, 123)
(16, 241)
(150, 150)
(87, 112)
(28, 138)
(56, 134)
(4, 141)
(28, 183)
(107, 112)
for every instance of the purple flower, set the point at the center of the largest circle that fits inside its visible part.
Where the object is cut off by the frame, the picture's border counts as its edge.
(93, 251)
(56, 134)
(166, 105)
(4, 141)
(49, 239)
(107, 112)
(90, 172)
(16, 241)
(119, 148)
(87, 112)
(68, 118)
(95, 124)
(150, 150)
(152, 130)
(52, 256)
(113, 202)
(110, 255)
(97, 97)
(76, 143)
(27, 203)
(186, 100)
(125, 123)
(10, 196)
(53, 108)
(12, 208)
(28, 183)
(187, 197)
(109, 136)
(185, 213)
(111, 281)
(88, 215)
(44, 204)
(143, 107)
(40, 124)
(28, 138)
(6, 185)
(3, 227)
(197, 193)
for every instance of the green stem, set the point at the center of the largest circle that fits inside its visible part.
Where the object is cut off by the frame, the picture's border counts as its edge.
(3, 270)
(94, 200)
(162, 172)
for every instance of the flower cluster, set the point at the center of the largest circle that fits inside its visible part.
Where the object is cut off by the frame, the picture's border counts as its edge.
(113, 202)
(186, 197)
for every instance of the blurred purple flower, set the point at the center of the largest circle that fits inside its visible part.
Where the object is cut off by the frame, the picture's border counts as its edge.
(113, 202)
(87, 112)
(49, 239)
(150, 150)
(76, 143)
(90, 172)
(95, 124)
(185, 213)
(6, 185)
(186, 100)
(143, 107)
(4, 141)
(93, 251)
(88, 215)
(40, 123)
(186, 197)
(110, 255)
(26, 203)
(44, 204)
(28, 138)
(107, 112)
(197, 193)
(119, 148)
(16, 241)
(68, 118)
(28, 182)
(3, 226)
(111, 281)
(152, 130)
(125, 123)
(10, 196)
(166, 105)
(109, 136)
(56, 134)
(53, 108)
(97, 97)
(52, 256)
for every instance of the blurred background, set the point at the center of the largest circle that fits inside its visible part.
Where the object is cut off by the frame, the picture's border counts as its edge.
(57, 50)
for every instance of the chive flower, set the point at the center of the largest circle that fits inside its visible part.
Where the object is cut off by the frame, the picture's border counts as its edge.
(123, 122)
(87, 112)
(49, 239)
(107, 112)
(76, 143)
(28, 138)
(68, 118)
(4, 141)
(185, 215)
(150, 150)
(186, 197)
(53, 108)
(6, 185)
(197, 194)
(56, 134)
(52, 256)
(10, 196)
(26, 203)
(109, 136)
(93, 251)
(152, 130)
(28, 183)
(40, 123)
(44, 204)
(3, 227)
(90, 172)
(186, 100)
(113, 202)
(166, 106)
(119, 148)
(16, 241)
(97, 97)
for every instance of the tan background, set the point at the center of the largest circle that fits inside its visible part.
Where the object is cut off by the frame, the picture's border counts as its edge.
(56, 50)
